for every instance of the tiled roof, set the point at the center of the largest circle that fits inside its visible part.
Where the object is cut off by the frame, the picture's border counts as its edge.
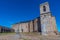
(4, 27)
(26, 21)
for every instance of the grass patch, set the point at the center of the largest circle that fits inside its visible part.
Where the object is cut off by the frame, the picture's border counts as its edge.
(31, 33)
(26, 39)
(6, 33)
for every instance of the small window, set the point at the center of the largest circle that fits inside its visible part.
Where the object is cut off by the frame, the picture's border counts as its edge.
(44, 8)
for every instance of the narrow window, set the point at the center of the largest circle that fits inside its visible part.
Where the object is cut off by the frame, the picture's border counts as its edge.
(22, 30)
(44, 8)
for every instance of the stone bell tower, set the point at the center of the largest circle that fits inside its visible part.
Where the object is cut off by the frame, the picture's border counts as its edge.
(46, 19)
(44, 8)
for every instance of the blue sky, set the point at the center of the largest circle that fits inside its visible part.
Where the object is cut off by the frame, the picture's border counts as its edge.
(12, 11)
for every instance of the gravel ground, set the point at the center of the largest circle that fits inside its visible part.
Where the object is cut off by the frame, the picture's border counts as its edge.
(28, 37)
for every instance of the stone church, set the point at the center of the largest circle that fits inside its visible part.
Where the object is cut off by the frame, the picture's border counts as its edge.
(45, 24)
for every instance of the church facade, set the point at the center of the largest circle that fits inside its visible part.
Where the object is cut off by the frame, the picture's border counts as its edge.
(45, 24)
(48, 23)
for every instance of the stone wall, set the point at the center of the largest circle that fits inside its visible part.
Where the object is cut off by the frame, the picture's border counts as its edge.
(36, 25)
(31, 26)
(15, 27)
(23, 27)
(54, 25)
